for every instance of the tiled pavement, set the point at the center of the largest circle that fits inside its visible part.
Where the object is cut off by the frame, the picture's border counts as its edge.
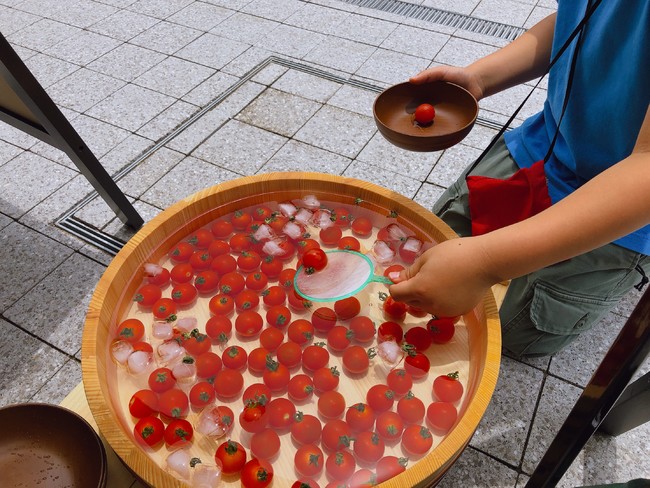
(279, 85)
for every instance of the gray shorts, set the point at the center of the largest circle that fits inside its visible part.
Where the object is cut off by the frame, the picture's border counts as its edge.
(546, 310)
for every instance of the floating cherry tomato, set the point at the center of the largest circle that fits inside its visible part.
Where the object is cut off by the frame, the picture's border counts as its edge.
(130, 330)
(232, 457)
(360, 417)
(369, 447)
(149, 430)
(178, 434)
(306, 429)
(314, 260)
(265, 444)
(425, 113)
(416, 440)
(447, 388)
(361, 226)
(441, 329)
(256, 473)
(309, 460)
(441, 416)
(147, 295)
(143, 403)
(347, 308)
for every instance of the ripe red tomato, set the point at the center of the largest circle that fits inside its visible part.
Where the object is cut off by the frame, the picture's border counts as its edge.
(281, 413)
(256, 473)
(218, 248)
(221, 304)
(441, 416)
(306, 429)
(196, 343)
(265, 444)
(336, 435)
(323, 319)
(341, 217)
(240, 219)
(300, 387)
(271, 267)
(363, 328)
(253, 418)
(418, 337)
(340, 465)
(178, 434)
(355, 360)
(416, 440)
(208, 365)
(389, 425)
(339, 338)
(221, 229)
(161, 279)
(390, 466)
(347, 308)
(363, 478)
(369, 447)
(289, 354)
(228, 383)
(130, 330)
(271, 338)
(249, 261)
(349, 243)
(184, 294)
(360, 417)
(234, 357)
(309, 460)
(232, 283)
(174, 403)
(240, 242)
(314, 260)
(202, 394)
(256, 392)
(206, 282)
(219, 329)
(143, 403)
(330, 236)
(149, 430)
(165, 309)
(390, 331)
(447, 388)
(425, 113)
(315, 356)
(306, 245)
(380, 398)
(181, 252)
(161, 379)
(411, 409)
(400, 381)
(201, 238)
(256, 281)
(393, 267)
(147, 295)
(285, 278)
(257, 360)
(232, 456)
(224, 263)
(276, 376)
(331, 404)
(417, 364)
(441, 329)
(249, 323)
(326, 378)
(200, 260)
(181, 273)
(361, 226)
(394, 309)
(300, 331)
(278, 316)
(274, 295)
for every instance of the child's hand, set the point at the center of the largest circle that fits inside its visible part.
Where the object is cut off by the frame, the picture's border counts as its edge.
(459, 76)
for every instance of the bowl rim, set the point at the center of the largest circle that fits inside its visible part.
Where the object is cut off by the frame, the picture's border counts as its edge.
(418, 475)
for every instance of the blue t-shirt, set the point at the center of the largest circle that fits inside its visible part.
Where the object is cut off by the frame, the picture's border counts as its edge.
(607, 105)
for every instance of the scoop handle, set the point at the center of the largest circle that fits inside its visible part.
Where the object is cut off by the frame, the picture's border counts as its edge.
(380, 279)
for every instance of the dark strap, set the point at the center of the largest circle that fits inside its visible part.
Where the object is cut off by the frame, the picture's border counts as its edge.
(578, 31)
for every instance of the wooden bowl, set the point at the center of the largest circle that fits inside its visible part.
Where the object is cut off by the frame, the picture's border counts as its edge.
(112, 299)
(456, 111)
(49, 445)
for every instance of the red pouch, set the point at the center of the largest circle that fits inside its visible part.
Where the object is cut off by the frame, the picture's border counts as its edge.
(495, 203)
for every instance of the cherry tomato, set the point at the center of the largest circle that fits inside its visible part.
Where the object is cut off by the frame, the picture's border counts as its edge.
(306, 429)
(249, 261)
(340, 465)
(416, 440)
(390, 466)
(149, 430)
(196, 343)
(174, 403)
(278, 316)
(256, 473)
(363, 478)
(300, 387)
(184, 294)
(232, 456)
(425, 113)
(161, 279)
(393, 268)
(309, 460)
(447, 388)
(208, 365)
(289, 354)
(330, 236)
(285, 278)
(218, 248)
(363, 328)
(441, 329)
(416, 312)
(200, 260)
(271, 338)
(341, 217)
(274, 295)
(281, 413)
(315, 356)
(202, 394)
(165, 309)
(232, 283)
(361, 226)
(349, 243)
(257, 392)
(219, 328)
(181, 273)
(223, 264)
(256, 281)
(418, 337)
(147, 295)
(331, 404)
(300, 331)
(305, 483)
(323, 319)
(307, 245)
(394, 309)
(417, 364)
(261, 213)
(228, 383)
(257, 360)
(221, 229)
(271, 267)
(181, 252)
(201, 238)
(221, 304)
(265, 444)
(441, 416)
(400, 381)
(390, 331)
(161, 379)
(249, 323)
(253, 418)
(178, 434)
(240, 219)
(411, 409)
(276, 376)
(143, 403)
(339, 338)
(380, 398)
(347, 308)
(336, 435)
(206, 282)
(314, 260)
(369, 447)
(234, 357)
(356, 360)
(360, 417)
(130, 330)
(389, 425)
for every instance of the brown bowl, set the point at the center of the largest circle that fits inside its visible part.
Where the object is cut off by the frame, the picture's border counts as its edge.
(456, 112)
(48, 445)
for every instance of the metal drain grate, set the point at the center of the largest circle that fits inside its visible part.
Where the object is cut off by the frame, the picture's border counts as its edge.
(443, 17)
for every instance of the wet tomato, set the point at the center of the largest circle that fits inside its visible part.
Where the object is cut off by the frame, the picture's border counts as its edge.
(219, 329)
(395, 309)
(278, 316)
(271, 338)
(174, 403)
(178, 434)
(201, 238)
(285, 278)
(441, 329)
(361, 226)
(130, 330)
(331, 405)
(400, 381)
(232, 283)
(300, 387)
(206, 282)
(276, 376)
(300, 331)
(202, 394)
(417, 364)
(240, 219)
(419, 338)
(441, 416)
(417, 440)
(147, 295)
(339, 338)
(248, 261)
(281, 413)
(257, 360)
(221, 229)
(447, 388)
(161, 379)
(330, 236)
(323, 319)
(411, 409)
(314, 260)
(184, 294)
(200, 260)
(165, 309)
(257, 392)
(363, 328)
(336, 435)
(143, 403)
(232, 456)
(271, 267)
(349, 243)
(256, 281)
(274, 295)
(234, 357)
(256, 473)
(380, 398)
(369, 447)
(390, 466)
(223, 264)
(340, 465)
(326, 378)
(181, 252)
(253, 418)
(265, 444)
(196, 343)
(356, 360)
(306, 429)
(389, 425)
(249, 323)
(341, 217)
(309, 460)
(424, 114)
(360, 417)
(221, 304)
(289, 354)
(208, 365)
(149, 430)
(315, 356)
(347, 308)
(390, 331)
(228, 383)
(218, 248)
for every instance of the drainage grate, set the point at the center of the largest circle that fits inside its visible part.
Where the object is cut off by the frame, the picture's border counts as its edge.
(443, 17)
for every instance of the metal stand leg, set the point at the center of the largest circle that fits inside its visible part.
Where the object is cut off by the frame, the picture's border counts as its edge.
(631, 410)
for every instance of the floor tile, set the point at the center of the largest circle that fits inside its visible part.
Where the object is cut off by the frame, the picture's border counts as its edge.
(60, 323)
(8, 152)
(83, 48)
(80, 13)
(19, 246)
(279, 112)
(212, 51)
(338, 131)
(364, 29)
(26, 369)
(160, 9)
(60, 384)
(461, 52)
(244, 27)
(210, 89)
(247, 61)
(48, 70)
(174, 77)
(188, 177)
(131, 107)
(124, 25)
(505, 11)
(341, 54)
(317, 18)
(168, 120)
(201, 16)
(451, 164)
(166, 37)
(127, 62)
(223, 148)
(388, 179)
(5, 221)
(465, 7)
(306, 85)
(357, 100)
(503, 431)
(149, 171)
(391, 67)
(428, 195)
(83, 89)
(125, 152)
(277, 10)
(297, 156)
(28, 179)
(42, 34)
(476, 470)
(413, 41)
(290, 41)
(12, 20)
(382, 153)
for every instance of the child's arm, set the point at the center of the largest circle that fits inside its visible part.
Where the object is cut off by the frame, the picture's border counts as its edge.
(452, 277)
